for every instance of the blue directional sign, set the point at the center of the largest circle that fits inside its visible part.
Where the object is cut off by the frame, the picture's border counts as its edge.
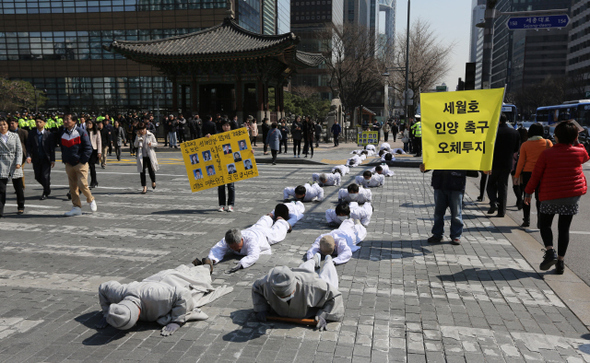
(538, 22)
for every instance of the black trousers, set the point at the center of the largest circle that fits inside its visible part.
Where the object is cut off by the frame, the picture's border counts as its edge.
(274, 155)
(418, 146)
(386, 135)
(526, 209)
(283, 142)
(563, 231)
(92, 167)
(336, 139)
(498, 188)
(42, 169)
(20, 193)
(307, 145)
(147, 164)
(296, 146)
(231, 194)
(482, 183)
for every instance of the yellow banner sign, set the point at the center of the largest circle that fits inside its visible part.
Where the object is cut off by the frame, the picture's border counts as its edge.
(459, 128)
(364, 138)
(220, 159)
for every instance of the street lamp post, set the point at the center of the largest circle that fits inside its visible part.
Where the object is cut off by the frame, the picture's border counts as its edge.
(386, 96)
(407, 63)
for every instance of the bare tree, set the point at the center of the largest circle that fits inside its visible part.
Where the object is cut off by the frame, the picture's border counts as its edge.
(355, 70)
(15, 95)
(428, 61)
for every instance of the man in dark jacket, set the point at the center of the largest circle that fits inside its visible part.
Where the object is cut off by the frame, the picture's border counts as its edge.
(507, 143)
(41, 152)
(284, 134)
(209, 128)
(449, 187)
(75, 152)
(336, 130)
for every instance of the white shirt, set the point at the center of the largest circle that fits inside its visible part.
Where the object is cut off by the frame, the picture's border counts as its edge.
(331, 179)
(296, 210)
(342, 168)
(362, 213)
(312, 192)
(376, 180)
(364, 195)
(345, 239)
(386, 170)
(356, 160)
(4, 137)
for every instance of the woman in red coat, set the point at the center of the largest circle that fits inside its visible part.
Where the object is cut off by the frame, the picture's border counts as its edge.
(561, 181)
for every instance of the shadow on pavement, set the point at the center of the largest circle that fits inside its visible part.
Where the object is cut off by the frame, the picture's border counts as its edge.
(251, 328)
(502, 274)
(378, 250)
(108, 334)
(187, 211)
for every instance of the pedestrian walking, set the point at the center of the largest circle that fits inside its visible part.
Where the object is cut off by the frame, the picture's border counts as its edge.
(386, 128)
(318, 133)
(530, 151)
(308, 131)
(284, 135)
(96, 142)
(394, 131)
(146, 155)
(75, 153)
(336, 130)
(181, 128)
(507, 143)
(231, 188)
(41, 152)
(172, 127)
(265, 130)
(273, 140)
(22, 136)
(559, 175)
(253, 131)
(119, 139)
(11, 155)
(104, 141)
(297, 134)
(406, 138)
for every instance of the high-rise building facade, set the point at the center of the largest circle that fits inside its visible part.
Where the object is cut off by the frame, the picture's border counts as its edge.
(57, 45)
(308, 20)
(578, 57)
(523, 58)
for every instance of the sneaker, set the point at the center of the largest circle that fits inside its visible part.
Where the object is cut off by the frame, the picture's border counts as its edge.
(93, 206)
(559, 267)
(317, 258)
(434, 239)
(230, 209)
(456, 241)
(76, 211)
(221, 208)
(549, 259)
(294, 156)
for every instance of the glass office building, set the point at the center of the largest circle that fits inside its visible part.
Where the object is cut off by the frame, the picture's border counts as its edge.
(58, 47)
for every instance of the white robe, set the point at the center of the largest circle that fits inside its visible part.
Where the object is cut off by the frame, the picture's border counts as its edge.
(385, 146)
(371, 148)
(331, 179)
(364, 195)
(386, 170)
(362, 213)
(383, 157)
(376, 180)
(356, 160)
(342, 168)
(312, 192)
(257, 241)
(296, 210)
(398, 150)
(345, 237)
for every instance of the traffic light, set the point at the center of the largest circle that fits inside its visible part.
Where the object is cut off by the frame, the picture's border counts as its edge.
(470, 75)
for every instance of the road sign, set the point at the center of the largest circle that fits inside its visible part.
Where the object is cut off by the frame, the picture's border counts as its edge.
(538, 22)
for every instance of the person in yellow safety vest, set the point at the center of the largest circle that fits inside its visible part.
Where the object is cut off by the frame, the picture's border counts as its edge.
(50, 123)
(417, 132)
(31, 123)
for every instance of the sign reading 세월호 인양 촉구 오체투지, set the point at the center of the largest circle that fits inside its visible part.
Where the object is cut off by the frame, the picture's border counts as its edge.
(459, 128)
(220, 159)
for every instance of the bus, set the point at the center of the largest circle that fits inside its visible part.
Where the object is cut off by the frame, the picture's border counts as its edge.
(511, 112)
(578, 110)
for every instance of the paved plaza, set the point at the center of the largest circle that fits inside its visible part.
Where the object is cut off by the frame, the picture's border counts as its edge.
(405, 300)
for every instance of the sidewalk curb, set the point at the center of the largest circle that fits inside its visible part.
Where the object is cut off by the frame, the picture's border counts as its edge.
(572, 290)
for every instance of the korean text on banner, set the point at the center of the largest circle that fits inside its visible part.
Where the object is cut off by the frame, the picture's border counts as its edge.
(367, 138)
(220, 159)
(459, 128)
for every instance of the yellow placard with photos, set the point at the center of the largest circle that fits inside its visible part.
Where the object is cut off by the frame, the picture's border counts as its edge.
(459, 128)
(220, 159)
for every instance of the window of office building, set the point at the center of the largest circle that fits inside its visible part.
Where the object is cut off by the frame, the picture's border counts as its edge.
(65, 7)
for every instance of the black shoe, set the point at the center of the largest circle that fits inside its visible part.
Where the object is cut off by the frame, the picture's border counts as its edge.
(559, 267)
(434, 239)
(501, 215)
(69, 195)
(549, 259)
(492, 209)
(43, 197)
(525, 224)
(519, 204)
(480, 199)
